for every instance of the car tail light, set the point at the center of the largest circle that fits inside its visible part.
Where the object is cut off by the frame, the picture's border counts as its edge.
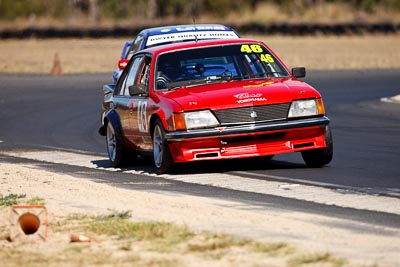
(122, 63)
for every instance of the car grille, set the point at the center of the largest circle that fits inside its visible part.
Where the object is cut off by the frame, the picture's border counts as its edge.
(252, 114)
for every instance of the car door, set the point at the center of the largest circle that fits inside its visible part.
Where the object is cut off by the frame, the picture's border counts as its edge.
(139, 106)
(122, 98)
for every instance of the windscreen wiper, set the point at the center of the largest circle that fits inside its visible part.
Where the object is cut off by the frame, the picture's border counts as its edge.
(184, 84)
(197, 82)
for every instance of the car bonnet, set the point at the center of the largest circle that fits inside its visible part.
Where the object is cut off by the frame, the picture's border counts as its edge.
(241, 93)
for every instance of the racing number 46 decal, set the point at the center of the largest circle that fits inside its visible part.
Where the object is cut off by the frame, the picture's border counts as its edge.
(257, 49)
(142, 121)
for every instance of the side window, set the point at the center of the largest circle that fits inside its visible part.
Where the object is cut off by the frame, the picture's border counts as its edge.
(144, 73)
(137, 43)
(131, 76)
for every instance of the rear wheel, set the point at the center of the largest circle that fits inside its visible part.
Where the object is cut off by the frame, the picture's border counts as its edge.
(317, 158)
(115, 148)
(162, 156)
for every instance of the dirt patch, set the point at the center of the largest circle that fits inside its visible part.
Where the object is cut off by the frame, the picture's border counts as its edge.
(64, 195)
(101, 55)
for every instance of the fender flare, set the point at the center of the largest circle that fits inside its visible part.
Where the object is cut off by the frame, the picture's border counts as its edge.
(113, 118)
(157, 115)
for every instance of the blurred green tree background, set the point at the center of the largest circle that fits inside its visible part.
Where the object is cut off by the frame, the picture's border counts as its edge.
(115, 10)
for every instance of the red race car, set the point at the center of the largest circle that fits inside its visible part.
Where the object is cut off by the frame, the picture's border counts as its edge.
(211, 100)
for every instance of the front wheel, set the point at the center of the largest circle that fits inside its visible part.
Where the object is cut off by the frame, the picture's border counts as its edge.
(162, 156)
(317, 158)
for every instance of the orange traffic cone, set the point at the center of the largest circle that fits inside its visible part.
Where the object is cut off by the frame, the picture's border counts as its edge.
(56, 70)
(28, 223)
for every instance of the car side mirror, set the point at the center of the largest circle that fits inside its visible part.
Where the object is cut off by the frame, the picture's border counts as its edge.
(137, 89)
(299, 72)
(108, 89)
(122, 63)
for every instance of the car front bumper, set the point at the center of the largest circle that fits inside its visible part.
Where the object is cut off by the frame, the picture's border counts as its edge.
(248, 140)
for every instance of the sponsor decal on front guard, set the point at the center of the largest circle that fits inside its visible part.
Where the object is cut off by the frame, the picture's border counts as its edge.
(247, 97)
(184, 36)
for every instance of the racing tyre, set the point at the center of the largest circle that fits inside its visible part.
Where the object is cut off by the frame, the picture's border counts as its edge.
(115, 147)
(317, 158)
(162, 156)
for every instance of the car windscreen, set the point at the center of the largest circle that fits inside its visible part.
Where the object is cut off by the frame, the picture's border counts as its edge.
(197, 66)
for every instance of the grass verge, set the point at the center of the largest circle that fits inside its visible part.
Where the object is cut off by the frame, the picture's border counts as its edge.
(116, 240)
(14, 199)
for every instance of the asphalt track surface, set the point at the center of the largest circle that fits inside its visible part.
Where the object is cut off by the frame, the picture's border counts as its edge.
(44, 112)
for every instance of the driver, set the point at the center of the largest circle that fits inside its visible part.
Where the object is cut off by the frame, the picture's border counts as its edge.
(171, 71)
(168, 72)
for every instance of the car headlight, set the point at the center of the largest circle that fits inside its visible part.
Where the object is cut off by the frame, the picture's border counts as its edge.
(194, 120)
(305, 108)
(200, 119)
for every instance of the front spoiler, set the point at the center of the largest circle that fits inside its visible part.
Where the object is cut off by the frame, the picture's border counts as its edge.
(247, 129)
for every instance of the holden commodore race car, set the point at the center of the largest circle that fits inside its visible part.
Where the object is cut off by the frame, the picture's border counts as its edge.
(213, 100)
(171, 34)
